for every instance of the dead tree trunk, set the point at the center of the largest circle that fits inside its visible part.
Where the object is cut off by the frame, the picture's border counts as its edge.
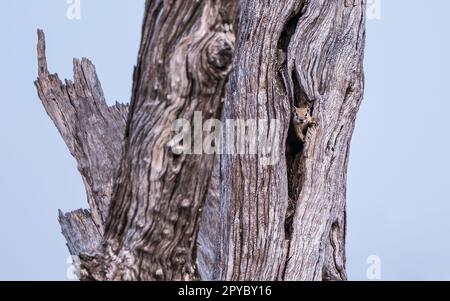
(292, 53)
(284, 221)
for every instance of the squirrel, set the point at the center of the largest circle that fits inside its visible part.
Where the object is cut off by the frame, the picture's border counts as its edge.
(302, 120)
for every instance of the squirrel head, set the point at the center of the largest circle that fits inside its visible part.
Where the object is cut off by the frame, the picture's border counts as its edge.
(300, 114)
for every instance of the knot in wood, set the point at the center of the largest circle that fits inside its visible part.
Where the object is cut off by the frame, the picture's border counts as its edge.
(218, 57)
(220, 53)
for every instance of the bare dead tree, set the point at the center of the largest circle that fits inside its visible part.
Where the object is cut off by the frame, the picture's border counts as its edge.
(155, 215)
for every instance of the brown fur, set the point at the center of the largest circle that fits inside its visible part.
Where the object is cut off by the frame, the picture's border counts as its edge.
(302, 120)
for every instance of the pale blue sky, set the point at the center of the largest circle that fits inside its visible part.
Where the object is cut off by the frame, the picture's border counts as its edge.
(398, 205)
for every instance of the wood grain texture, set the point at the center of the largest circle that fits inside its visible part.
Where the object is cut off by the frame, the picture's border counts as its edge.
(207, 240)
(254, 197)
(326, 55)
(288, 53)
(82, 235)
(182, 68)
(196, 55)
(93, 132)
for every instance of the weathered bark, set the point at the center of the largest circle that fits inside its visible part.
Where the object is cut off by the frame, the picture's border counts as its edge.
(182, 67)
(80, 231)
(288, 53)
(208, 239)
(284, 221)
(153, 223)
(93, 133)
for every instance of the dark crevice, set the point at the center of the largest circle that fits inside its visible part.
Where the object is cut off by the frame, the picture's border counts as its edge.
(289, 29)
(300, 97)
(283, 48)
(289, 82)
(291, 86)
(335, 272)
